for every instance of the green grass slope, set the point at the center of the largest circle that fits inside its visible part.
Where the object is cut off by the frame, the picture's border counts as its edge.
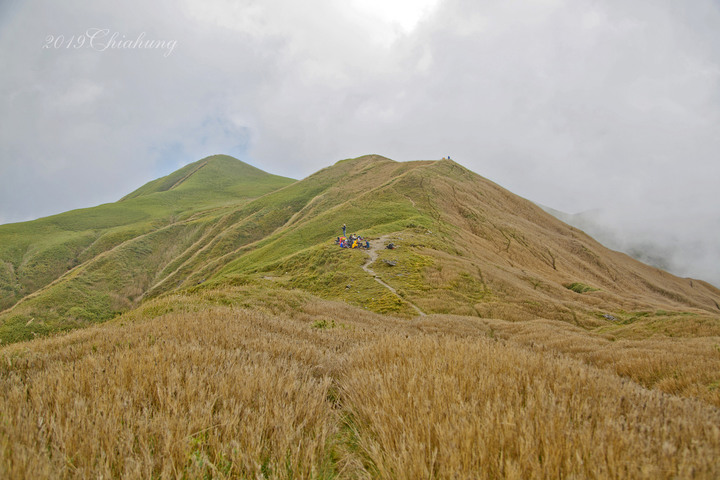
(48, 252)
(214, 177)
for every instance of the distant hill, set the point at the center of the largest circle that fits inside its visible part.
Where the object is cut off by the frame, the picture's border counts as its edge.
(72, 266)
(216, 176)
(465, 246)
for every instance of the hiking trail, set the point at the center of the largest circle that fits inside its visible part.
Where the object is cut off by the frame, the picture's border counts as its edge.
(373, 252)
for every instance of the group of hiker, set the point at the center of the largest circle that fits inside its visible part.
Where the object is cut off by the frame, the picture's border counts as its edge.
(353, 241)
(356, 241)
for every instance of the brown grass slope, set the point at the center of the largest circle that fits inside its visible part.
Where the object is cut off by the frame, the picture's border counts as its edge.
(534, 256)
(234, 384)
(467, 246)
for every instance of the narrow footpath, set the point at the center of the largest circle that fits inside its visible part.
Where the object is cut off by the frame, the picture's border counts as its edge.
(373, 252)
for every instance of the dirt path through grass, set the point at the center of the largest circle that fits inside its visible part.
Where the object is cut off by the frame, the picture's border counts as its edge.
(373, 252)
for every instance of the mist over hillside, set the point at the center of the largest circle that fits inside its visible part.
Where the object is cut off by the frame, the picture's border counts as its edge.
(682, 246)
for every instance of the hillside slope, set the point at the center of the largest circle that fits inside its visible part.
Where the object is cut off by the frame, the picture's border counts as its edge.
(219, 176)
(99, 259)
(280, 385)
(466, 246)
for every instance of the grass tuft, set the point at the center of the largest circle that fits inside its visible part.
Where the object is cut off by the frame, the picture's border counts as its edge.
(578, 287)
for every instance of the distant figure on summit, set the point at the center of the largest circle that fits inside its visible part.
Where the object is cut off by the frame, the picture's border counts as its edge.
(343, 229)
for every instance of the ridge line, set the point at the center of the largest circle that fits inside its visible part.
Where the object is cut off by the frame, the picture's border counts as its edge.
(195, 170)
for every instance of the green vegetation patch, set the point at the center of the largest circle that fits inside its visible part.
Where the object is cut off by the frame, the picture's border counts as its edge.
(578, 287)
(121, 249)
(646, 324)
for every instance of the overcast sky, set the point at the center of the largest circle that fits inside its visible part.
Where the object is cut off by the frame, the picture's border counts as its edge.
(574, 104)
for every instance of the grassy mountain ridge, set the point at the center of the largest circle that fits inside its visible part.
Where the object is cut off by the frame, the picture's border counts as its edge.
(99, 256)
(238, 341)
(212, 176)
(467, 247)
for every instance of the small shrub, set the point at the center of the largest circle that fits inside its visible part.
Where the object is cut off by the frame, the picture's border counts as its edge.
(323, 324)
(578, 287)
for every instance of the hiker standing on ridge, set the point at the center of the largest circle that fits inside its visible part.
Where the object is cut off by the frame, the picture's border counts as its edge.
(343, 229)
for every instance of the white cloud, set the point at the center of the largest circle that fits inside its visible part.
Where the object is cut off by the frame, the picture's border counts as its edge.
(393, 18)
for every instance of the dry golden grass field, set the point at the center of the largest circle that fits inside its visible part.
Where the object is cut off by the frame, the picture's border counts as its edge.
(299, 387)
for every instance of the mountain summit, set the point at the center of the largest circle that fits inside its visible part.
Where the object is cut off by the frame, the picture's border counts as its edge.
(215, 174)
(466, 246)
